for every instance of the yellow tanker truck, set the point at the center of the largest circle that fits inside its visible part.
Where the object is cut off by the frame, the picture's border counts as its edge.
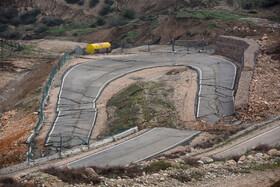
(104, 47)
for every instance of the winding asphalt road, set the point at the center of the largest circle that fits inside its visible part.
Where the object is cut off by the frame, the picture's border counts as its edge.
(83, 83)
(144, 146)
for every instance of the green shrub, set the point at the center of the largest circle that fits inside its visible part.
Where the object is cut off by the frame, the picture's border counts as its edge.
(128, 14)
(14, 35)
(93, 3)
(115, 21)
(40, 28)
(156, 166)
(109, 2)
(93, 25)
(106, 9)
(212, 25)
(52, 21)
(73, 176)
(30, 17)
(100, 22)
(72, 1)
(15, 21)
(3, 27)
(269, 3)
(7, 14)
(81, 3)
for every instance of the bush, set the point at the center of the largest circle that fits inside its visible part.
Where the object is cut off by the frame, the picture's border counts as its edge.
(14, 35)
(30, 17)
(81, 3)
(262, 148)
(100, 22)
(115, 21)
(7, 14)
(8, 181)
(156, 166)
(93, 3)
(15, 21)
(3, 27)
(109, 2)
(269, 3)
(191, 161)
(93, 25)
(73, 176)
(40, 28)
(72, 1)
(128, 14)
(106, 9)
(52, 21)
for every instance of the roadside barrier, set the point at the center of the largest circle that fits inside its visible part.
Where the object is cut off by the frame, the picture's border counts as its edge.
(30, 140)
(15, 168)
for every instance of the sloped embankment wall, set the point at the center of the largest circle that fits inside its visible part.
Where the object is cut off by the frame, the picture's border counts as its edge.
(244, 53)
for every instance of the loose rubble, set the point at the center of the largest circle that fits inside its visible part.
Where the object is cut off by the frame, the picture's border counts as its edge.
(180, 173)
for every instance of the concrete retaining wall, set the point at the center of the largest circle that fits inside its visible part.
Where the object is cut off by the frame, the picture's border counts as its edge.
(244, 53)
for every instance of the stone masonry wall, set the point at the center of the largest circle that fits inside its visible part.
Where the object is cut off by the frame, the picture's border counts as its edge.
(244, 53)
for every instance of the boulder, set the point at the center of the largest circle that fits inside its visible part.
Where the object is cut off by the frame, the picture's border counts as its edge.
(206, 160)
(266, 156)
(91, 172)
(273, 152)
(66, 167)
(231, 162)
(243, 158)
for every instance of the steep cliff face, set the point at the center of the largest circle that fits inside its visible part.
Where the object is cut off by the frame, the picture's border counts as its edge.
(73, 11)
(61, 8)
(144, 6)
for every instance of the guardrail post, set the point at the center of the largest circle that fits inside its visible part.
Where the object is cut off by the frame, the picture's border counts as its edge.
(60, 144)
(2, 55)
(28, 153)
(202, 44)
(173, 43)
(122, 46)
(149, 47)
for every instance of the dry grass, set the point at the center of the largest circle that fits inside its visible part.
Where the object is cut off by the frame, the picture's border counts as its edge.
(262, 148)
(191, 161)
(73, 176)
(133, 170)
(182, 177)
(10, 182)
(80, 175)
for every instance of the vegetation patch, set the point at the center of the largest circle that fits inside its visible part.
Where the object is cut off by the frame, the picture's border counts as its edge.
(264, 167)
(106, 9)
(73, 176)
(145, 104)
(30, 17)
(132, 35)
(204, 14)
(212, 25)
(52, 21)
(191, 161)
(10, 182)
(70, 26)
(249, 22)
(133, 170)
(93, 3)
(128, 14)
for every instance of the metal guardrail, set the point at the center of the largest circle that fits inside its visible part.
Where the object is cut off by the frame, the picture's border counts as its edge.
(197, 44)
(30, 141)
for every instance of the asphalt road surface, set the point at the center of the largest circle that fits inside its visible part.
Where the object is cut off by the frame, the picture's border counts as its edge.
(83, 83)
(270, 137)
(136, 149)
